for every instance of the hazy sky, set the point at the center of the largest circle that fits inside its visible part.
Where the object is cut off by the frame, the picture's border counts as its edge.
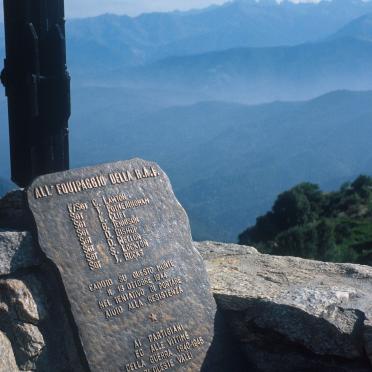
(84, 8)
(87, 8)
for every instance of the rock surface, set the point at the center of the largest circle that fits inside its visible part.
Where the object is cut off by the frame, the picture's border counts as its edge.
(13, 212)
(7, 360)
(302, 315)
(21, 309)
(288, 314)
(36, 333)
(17, 251)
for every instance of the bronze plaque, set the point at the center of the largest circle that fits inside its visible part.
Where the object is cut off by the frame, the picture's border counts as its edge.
(138, 290)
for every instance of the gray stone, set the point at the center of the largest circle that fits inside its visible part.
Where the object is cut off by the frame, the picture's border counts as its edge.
(17, 251)
(13, 211)
(210, 250)
(7, 360)
(302, 314)
(24, 305)
(34, 317)
(138, 289)
(29, 344)
(367, 338)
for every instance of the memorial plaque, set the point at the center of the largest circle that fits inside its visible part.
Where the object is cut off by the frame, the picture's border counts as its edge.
(137, 288)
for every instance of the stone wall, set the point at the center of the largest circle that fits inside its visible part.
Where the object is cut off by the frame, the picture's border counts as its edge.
(287, 314)
(36, 333)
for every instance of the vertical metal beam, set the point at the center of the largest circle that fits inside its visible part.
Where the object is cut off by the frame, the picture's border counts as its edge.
(37, 86)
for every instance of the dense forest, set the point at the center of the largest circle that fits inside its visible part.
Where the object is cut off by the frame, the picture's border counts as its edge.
(309, 223)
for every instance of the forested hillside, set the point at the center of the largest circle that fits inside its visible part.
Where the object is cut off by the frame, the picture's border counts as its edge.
(309, 223)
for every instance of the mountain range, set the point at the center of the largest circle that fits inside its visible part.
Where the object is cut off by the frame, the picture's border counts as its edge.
(360, 28)
(342, 60)
(228, 161)
(110, 41)
(241, 47)
(256, 75)
(236, 102)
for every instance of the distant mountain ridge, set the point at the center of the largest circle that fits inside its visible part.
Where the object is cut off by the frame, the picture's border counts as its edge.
(109, 41)
(264, 74)
(360, 28)
(228, 161)
(253, 75)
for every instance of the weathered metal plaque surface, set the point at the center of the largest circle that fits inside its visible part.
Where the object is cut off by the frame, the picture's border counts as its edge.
(138, 290)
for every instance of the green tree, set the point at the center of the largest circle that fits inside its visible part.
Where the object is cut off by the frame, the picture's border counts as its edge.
(292, 208)
(308, 223)
(264, 230)
(363, 186)
(326, 245)
(298, 241)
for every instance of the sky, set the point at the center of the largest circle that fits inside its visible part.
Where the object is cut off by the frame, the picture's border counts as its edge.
(86, 8)
(89, 8)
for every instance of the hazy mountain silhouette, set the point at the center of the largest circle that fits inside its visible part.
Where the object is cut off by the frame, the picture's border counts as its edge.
(244, 51)
(265, 74)
(228, 161)
(108, 42)
(258, 74)
(360, 28)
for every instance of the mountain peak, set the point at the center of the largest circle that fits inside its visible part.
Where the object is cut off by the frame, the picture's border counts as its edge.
(359, 28)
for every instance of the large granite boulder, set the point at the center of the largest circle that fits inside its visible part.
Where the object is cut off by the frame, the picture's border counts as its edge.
(292, 314)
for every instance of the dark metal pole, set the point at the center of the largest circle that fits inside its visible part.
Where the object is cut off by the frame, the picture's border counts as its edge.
(37, 86)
